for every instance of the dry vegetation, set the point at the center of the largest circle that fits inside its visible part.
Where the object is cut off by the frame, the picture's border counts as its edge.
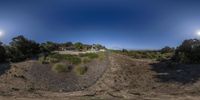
(117, 74)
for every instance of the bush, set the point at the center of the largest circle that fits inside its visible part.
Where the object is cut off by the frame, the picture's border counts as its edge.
(2, 53)
(86, 60)
(73, 59)
(167, 50)
(101, 55)
(14, 55)
(46, 60)
(90, 55)
(124, 50)
(60, 67)
(52, 60)
(42, 60)
(21, 48)
(188, 52)
(81, 70)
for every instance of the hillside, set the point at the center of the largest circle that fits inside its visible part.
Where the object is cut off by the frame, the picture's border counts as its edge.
(121, 78)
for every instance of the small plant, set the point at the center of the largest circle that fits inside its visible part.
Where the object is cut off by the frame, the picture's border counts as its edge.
(81, 70)
(42, 60)
(46, 60)
(52, 60)
(101, 55)
(86, 60)
(90, 55)
(60, 67)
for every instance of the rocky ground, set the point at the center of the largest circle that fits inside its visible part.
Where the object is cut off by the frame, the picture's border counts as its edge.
(121, 78)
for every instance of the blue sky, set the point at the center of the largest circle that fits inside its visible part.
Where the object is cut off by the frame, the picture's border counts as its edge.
(131, 24)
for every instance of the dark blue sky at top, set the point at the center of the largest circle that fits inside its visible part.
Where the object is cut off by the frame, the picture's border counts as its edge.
(131, 24)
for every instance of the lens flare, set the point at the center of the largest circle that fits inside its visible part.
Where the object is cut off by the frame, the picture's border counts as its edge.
(1, 33)
(198, 33)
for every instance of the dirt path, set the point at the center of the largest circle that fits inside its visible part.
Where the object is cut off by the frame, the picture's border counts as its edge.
(127, 78)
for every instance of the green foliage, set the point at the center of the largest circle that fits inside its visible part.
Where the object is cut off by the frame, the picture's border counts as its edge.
(156, 55)
(46, 60)
(99, 46)
(42, 59)
(73, 59)
(78, 46)
(90, 55)
(68, 44)
(101, 55)
(21, 48)
(86, 60)
(124, 50)
(188, 52)
(2, 53)
(81, 70)
(14, 54)
(167, 50)
(48, 46)
(60, 67)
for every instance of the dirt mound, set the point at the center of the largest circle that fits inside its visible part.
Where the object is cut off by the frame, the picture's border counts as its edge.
(43, 78)
(31, 76)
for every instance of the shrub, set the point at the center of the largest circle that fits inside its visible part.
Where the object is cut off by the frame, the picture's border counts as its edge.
(27, 47)
(71, 58)
(188, 52)
(90, 55)
(124, 50)
(86, 60)
(2, 53)
(14, 55)
(167, 50)
(78, 46)
(81, 70)
(52, 60)
(42, 59)
(60, 67)
(101, 55)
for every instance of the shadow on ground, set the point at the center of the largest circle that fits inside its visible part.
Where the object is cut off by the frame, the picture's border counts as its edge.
(4, 67)
(180, 73)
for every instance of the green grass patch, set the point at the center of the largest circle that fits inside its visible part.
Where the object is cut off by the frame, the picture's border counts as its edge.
(54, 58)
(101, 55)
(81, 70)
(86, 60)
(60, 67)
(90, 55)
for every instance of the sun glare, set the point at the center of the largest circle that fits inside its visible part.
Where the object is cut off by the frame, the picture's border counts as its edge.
(1, 33)
(198, 33)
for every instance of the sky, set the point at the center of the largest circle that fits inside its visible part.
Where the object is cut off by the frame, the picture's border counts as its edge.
(117, 24)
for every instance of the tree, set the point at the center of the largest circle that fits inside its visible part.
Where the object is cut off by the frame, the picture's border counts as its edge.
(2, 53)
(68, 44)
(188, 52)
(167, 50)
(78, 46)
(22, 48)
(99, 46)
(49, 46)
(124, 50)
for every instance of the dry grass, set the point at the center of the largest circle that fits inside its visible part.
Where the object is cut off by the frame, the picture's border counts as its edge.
(81, 70)
(60, 67)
